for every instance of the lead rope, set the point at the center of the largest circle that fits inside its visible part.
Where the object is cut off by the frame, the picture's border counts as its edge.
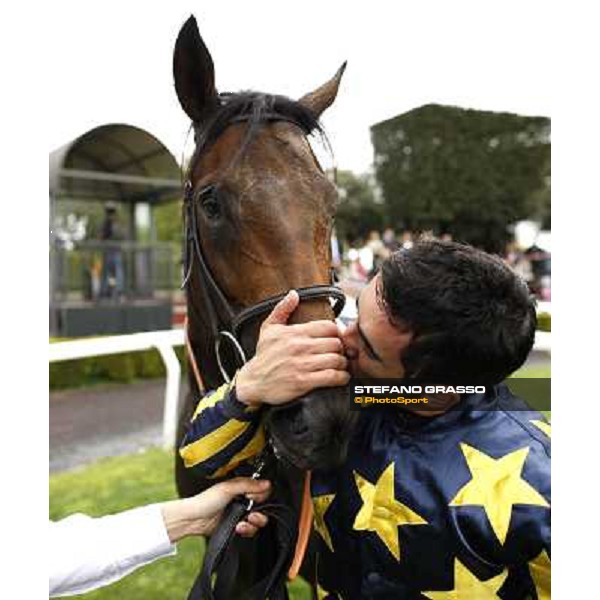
(220, 566)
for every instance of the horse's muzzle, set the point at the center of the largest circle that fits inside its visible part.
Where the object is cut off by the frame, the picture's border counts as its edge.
(313, 432)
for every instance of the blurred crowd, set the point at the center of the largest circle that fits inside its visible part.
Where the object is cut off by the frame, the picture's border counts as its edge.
(533, 264)
(358, 262)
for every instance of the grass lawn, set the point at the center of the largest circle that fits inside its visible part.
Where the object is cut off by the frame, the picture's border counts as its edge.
(115, 484)
(535, 372)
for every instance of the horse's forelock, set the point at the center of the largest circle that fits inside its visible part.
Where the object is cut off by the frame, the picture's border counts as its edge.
(255, 109)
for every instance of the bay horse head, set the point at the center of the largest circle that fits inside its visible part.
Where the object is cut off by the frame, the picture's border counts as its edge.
(259, 213)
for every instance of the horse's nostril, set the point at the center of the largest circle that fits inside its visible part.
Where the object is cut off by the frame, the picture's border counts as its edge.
(298, 426)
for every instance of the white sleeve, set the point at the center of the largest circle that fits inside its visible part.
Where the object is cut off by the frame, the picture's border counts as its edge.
(87, 553)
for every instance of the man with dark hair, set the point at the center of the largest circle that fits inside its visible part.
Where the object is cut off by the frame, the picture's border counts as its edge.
(471, 319)
(450, 503)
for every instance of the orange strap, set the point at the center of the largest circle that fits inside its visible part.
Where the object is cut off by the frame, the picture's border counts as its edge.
(192, 359)
(304, 527)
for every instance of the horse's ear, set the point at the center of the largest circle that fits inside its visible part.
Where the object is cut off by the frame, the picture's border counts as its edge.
(323, 97)
(194, 73)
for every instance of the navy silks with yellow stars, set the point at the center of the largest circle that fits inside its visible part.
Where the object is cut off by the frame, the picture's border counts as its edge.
(455, 506)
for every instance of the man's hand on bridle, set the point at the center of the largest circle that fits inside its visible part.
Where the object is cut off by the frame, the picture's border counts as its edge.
(292, 360)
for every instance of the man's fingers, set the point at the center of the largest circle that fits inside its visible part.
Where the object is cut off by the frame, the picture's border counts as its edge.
(322, 362)
(327, 378)
(283, 309)
(316, 329)
(325, 345)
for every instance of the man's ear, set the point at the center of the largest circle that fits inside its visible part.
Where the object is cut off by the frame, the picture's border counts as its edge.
(194, 74)
(323, 97)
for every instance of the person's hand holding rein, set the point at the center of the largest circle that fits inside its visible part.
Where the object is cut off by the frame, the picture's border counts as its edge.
(291, 360)
(199, 515)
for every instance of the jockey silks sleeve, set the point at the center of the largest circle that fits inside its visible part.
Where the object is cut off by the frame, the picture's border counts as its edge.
(222, 434)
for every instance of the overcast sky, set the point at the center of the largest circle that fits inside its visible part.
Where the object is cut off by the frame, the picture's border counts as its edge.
(112, 61)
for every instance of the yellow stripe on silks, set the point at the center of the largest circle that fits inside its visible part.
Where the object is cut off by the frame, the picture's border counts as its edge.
(210, 401)
(212, 443)
(539, 568)
(542, 426)
(253, 447)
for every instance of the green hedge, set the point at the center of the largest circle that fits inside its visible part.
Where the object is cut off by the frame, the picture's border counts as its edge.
(124, 368)
(543, 321)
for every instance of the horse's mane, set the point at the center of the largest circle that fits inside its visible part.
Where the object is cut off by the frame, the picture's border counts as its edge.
(254, 108)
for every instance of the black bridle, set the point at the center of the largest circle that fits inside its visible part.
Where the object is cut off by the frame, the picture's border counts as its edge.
(225, 322)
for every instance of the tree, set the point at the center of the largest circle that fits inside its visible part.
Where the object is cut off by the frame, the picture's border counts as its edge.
(468, 172)
(168, 221)
(358, 211)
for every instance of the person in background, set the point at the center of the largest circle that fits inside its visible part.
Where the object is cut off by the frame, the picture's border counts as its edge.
(516, 259)
(389, 240)
(112, 265)
(356, 272)
(539, 260)
(87, 553)
(379, 252)
(406, 241)
(365, 259)
(511, 253)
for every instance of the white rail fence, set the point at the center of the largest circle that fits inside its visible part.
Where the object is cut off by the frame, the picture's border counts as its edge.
(164, 342)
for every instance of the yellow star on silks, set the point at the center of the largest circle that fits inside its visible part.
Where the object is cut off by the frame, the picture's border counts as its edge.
(468, 587)
(381, 512)
(543, 426)
(539, 568)
(321, 504)
(497, 486)
(323, 594)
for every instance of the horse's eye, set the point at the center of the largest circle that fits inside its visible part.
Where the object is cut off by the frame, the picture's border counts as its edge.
(211, 207)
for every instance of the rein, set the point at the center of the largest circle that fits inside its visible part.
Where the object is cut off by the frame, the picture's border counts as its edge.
(227, 324)
(220, 567)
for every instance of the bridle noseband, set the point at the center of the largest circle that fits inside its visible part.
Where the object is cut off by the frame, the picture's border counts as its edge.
(225, 322)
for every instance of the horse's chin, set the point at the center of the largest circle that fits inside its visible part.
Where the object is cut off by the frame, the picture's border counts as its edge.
(314, 431)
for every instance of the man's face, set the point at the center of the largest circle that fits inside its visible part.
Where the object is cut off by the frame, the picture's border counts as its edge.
(372, 344)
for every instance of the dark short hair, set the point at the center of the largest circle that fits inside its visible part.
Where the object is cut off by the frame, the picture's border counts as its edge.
(473, 319)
